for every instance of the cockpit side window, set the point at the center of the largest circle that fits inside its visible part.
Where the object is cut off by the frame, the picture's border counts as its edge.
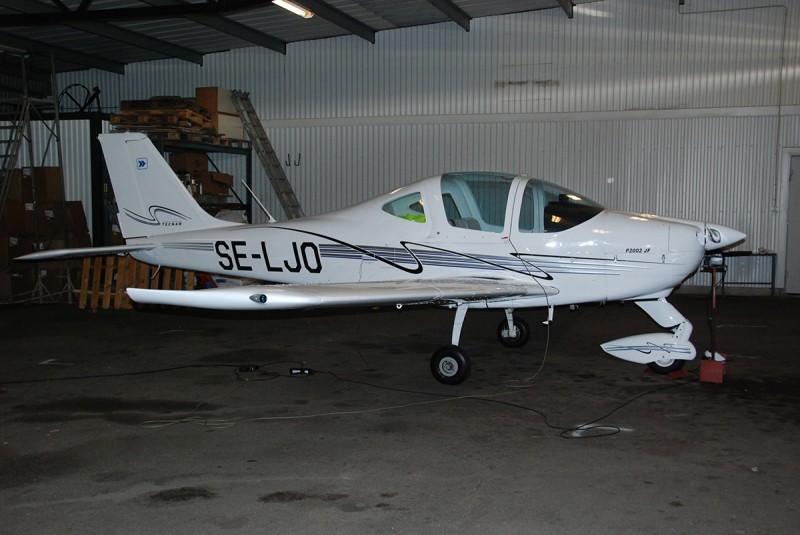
(408, 207)
(476, 201)
(550, 208)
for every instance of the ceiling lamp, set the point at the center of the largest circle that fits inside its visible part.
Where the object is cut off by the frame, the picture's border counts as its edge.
(294, 8)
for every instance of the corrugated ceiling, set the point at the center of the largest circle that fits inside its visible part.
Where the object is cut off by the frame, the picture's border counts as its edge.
(109, 34)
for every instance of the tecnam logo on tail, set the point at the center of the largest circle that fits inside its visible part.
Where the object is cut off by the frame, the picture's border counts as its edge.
(154, 219)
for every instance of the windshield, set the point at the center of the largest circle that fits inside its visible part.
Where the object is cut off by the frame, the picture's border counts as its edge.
(547, 207)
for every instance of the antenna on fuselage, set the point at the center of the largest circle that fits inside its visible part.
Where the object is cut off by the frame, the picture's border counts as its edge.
(263, 208)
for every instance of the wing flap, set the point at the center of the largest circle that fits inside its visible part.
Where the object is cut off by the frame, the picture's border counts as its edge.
(284, 297)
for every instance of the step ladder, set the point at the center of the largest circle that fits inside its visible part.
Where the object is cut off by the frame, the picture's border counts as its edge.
(266, 154)
(12, 135)
(17, 143)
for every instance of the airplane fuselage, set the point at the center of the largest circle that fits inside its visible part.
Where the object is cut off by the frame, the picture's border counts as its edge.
(610, 256)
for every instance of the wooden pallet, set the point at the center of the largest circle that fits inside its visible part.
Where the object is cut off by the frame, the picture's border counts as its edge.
(164, 102)
(173, 119)
(105, 279)
(163, 117)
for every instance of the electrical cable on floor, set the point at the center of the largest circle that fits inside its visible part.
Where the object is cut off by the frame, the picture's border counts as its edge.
(566, 432)
(589, 429)
(237, 368)
(241, 369)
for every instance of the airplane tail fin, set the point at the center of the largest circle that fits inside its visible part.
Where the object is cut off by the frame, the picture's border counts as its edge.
(150, 197)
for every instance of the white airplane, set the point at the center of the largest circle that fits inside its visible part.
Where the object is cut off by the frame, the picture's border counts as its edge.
(461, 240)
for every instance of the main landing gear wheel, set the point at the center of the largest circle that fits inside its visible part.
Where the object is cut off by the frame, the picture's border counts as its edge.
(518, 339)
(666, 366)
(450, 365)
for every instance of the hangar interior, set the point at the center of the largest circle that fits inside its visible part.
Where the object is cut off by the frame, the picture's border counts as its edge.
(679, 108)
(182, 422)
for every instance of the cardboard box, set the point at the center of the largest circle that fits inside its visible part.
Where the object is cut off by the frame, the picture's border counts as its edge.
(70, 240)
(50, 219)
(215, 99)
(16, 282)
(224, 116)
(41, 220)
(17, 218)
(48, 183)
(188, 161)
(230, 126)
(20, 186)
(12, 247)
(46, 179)
(76, 218)
(214, 183)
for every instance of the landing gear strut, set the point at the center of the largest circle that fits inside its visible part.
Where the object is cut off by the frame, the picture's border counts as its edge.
(513, 331)
(450, 364)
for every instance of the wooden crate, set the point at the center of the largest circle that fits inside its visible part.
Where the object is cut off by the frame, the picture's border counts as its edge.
(105, 279)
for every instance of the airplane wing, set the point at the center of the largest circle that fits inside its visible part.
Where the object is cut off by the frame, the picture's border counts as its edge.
(81, 252)
(291, 296)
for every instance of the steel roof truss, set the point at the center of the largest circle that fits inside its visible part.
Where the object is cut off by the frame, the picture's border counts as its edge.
(453, 12)
(230, 27)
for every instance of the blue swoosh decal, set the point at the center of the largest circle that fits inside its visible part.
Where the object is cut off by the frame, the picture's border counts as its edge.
(154, 212)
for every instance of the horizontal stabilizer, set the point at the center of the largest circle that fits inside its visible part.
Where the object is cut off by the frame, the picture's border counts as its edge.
(81, 252)
(282, 297)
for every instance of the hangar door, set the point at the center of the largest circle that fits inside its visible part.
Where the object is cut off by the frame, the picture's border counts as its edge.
(793, 230)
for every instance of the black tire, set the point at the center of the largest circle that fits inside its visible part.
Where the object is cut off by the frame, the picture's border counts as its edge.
(523, 333)
(666, 366)
(450, 365)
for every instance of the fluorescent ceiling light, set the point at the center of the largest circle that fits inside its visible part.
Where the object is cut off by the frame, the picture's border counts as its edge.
(294, 8)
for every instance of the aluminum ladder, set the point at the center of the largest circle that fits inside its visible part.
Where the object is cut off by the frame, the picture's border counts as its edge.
(266, 154)
(14, 132)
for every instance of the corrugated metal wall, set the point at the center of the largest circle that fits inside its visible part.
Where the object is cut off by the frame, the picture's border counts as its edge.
(644, 106)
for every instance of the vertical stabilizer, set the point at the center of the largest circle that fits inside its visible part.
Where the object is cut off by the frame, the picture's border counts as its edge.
(150, 197)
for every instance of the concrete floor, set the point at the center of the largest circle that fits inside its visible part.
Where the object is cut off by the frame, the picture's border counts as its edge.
(141, 422)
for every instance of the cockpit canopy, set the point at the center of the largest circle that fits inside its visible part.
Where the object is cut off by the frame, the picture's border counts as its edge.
(479, 201)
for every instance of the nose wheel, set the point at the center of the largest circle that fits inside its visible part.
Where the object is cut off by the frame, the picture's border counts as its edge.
(666, 366)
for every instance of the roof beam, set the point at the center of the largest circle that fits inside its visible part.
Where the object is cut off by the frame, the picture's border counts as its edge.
(567, 6)
(230, 27)
(84, 5)
(172, 11)
(88, 61)
(339, 18)
(139, 40)
(453, 12)
(115, 33)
